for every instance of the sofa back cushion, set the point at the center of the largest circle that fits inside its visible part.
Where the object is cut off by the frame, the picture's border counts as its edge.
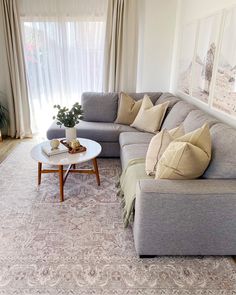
(154, 96)
(166, 96)
(196, 118)
(99, 107)
(223, 162)
(177, 114)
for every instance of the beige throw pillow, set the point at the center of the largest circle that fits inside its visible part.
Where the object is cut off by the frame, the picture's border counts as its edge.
(158, 145)
(128, 109)
(177, 132)
(186, 157)
(150, 117)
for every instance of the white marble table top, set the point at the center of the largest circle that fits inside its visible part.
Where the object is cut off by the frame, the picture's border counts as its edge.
(93, 150)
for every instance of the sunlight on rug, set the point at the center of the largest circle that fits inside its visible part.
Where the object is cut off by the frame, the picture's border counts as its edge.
(80, 246)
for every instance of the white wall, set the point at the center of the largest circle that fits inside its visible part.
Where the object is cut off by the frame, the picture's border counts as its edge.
(157, 20)
(188, 11)
(195, 9)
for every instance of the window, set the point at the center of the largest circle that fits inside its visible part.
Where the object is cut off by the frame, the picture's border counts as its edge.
(63, 59)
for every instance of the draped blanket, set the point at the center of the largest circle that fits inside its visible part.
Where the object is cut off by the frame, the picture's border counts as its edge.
(127, 187)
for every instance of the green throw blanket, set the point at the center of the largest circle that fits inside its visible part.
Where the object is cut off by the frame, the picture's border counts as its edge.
(128, 181)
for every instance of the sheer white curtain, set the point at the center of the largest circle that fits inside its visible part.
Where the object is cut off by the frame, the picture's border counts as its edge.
(18, 102)
(63, 48)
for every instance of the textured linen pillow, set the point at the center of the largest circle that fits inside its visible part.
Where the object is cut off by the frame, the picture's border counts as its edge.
(149, 117)
(158, 145)
(128, 109)
(186, 157)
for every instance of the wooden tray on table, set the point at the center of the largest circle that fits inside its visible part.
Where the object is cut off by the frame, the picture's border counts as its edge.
(80, 149)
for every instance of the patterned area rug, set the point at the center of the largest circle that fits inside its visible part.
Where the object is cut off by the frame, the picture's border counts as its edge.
(80, 246)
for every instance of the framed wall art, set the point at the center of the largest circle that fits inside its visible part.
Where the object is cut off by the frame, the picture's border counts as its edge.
(224, 97)
(204, 59)
(186, 57)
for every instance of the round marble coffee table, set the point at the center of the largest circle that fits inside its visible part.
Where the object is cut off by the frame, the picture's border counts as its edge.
(93, 150)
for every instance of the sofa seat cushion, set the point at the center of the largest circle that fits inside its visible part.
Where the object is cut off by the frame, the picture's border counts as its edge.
(109, 149)
(127, 138)
(99, 107)
(196, 119)
(101, 132)
(223, 160)
(177, 115)
(131, 152)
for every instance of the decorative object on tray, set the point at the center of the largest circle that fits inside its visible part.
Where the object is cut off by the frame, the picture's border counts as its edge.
(69, 118)
(74, 146)
(50, 151)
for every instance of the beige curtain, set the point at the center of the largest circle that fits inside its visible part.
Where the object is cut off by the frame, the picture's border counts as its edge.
(120, 60)
(17, 95)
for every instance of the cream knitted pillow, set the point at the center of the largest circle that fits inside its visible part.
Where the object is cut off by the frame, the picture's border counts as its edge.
(158, 145)
(186, 157)
(150, 117)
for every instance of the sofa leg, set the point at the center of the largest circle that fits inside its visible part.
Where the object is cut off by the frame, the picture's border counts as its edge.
(147, 256)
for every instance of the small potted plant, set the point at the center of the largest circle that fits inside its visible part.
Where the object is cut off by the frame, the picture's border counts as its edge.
(3, 119)
(69, 118)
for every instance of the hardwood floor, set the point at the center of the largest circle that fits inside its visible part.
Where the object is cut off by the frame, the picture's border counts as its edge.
(9, 144)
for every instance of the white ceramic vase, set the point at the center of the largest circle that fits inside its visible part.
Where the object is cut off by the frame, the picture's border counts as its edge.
(70, 134)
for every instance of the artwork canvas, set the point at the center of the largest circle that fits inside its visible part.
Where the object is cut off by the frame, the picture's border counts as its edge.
(186, 57)
(224, 98)
(205, 57)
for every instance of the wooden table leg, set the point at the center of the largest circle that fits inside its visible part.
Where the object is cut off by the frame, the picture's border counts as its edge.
(61, 183)
(39, 172)
(95, 165)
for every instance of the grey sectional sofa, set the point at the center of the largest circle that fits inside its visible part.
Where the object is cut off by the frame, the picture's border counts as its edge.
(172, 217)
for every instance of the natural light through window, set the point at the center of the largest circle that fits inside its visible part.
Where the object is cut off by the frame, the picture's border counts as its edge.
(63, 59)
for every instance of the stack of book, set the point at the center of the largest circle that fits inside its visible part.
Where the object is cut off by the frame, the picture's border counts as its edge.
(47, 149)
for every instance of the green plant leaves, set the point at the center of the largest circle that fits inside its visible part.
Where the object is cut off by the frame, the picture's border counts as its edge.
(66, 117)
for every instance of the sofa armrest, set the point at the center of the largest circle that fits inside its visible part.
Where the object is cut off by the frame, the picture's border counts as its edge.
(185, 217)
(191, 187)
